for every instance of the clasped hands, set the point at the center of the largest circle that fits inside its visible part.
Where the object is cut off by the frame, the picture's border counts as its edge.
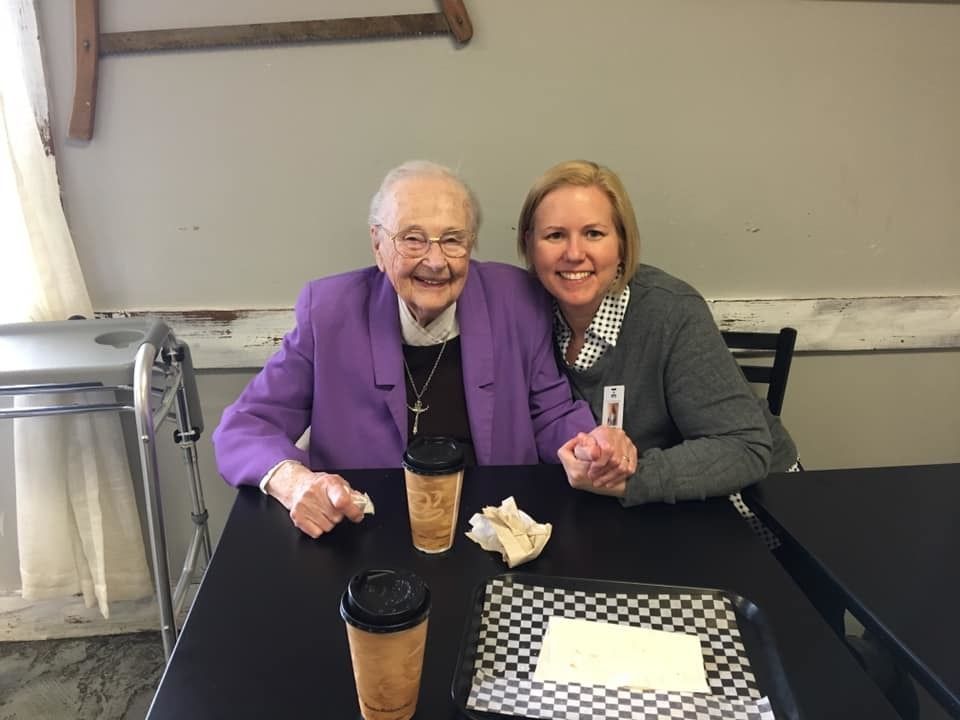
(599, 461)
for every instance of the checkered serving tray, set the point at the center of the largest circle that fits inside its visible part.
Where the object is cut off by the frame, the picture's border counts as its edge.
(503, 637)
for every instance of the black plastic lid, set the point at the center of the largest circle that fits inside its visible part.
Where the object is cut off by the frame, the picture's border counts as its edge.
(383, 601)
(433, 456)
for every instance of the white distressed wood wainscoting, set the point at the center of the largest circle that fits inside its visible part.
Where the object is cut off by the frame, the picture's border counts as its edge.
(230, 339)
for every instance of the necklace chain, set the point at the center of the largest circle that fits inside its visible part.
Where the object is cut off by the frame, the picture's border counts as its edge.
(418, 407)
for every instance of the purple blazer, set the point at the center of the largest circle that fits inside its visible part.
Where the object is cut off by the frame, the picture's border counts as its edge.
(340, 371)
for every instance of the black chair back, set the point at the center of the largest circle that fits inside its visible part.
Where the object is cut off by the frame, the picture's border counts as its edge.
(747, 345)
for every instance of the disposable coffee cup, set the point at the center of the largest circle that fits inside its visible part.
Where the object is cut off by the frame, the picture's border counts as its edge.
(386, 612)
(433, 470)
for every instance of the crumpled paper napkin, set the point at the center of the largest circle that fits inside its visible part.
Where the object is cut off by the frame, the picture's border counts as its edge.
(510, 531)
(363, 501)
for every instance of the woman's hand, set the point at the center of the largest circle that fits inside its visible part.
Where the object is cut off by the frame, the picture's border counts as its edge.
(600, 462)
(611, 454)
(317, 501)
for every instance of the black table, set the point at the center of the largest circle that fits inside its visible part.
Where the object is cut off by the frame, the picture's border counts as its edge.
(264, 637)
(889, 540)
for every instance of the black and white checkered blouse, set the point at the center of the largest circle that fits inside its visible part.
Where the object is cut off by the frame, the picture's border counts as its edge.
(602, 333)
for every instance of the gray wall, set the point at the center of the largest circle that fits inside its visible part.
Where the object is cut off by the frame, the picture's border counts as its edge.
(773, 148)
(754, 136)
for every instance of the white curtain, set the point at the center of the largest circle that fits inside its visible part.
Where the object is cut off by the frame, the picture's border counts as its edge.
(78, 530)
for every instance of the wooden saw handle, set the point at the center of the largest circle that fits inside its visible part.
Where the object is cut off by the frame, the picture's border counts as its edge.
(85, 86)
(458, 20)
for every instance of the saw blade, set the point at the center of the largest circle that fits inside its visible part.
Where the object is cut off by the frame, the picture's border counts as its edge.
(278, 33)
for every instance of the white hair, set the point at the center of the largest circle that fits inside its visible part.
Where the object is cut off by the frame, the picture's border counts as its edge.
(424, 168)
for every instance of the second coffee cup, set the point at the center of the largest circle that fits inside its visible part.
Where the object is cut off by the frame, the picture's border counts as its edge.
(433, 470)
(386, 617)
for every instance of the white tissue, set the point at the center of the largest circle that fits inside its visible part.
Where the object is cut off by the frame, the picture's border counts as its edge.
(510, 531)
(363, 501)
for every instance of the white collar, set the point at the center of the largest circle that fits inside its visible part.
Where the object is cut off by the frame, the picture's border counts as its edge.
(444, 327)
(603, 331)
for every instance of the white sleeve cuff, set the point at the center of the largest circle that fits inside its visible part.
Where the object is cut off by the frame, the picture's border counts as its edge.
(270, 472)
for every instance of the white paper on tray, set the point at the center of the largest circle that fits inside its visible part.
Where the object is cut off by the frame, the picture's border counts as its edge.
(599, 653)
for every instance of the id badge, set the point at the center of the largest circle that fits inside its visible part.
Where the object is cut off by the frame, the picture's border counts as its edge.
(613, 406)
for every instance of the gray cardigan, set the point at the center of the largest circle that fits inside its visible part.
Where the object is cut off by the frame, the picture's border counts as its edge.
(700, 429)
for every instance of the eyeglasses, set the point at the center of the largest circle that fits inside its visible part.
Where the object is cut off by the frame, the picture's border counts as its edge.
(414, 243)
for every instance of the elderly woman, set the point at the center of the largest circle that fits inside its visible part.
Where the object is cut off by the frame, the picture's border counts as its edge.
(643, 344)
(426, 342)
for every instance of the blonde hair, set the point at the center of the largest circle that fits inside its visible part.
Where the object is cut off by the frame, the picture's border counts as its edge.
(583, 173)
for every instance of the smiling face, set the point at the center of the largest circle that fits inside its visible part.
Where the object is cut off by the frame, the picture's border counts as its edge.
(575, 249)
(435, 205)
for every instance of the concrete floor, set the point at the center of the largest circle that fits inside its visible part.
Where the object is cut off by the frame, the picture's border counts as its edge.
(60, 660)
(22, 620)
(92, 678)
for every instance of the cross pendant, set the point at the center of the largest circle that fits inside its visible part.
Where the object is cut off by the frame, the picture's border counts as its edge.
(417, 409)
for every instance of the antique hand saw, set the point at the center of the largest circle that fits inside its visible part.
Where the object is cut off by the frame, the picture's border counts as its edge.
(91, 44)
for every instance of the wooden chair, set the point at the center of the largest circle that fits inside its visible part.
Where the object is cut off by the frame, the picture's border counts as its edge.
(747, 346)
(747, 349)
